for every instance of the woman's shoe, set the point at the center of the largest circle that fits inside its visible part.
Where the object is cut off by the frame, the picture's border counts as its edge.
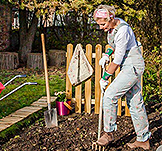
(145, 145)
(106, 139)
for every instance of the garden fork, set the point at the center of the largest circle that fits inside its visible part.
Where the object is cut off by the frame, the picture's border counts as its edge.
(94, 145)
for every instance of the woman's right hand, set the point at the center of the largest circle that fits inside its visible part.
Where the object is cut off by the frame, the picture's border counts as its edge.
(104, 60)
(103, 84)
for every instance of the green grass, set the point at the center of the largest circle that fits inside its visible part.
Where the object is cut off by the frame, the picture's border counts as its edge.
(29, 93)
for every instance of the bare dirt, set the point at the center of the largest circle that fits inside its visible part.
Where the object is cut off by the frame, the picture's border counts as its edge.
(77, 132)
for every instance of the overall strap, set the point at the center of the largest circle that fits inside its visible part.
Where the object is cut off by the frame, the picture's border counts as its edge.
(112, 36)
(117, 28)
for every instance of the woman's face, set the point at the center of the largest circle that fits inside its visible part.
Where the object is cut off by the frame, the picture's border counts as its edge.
(105, 25)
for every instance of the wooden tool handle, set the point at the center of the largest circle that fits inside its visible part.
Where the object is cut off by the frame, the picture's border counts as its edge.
(68, 106)
(46, 72)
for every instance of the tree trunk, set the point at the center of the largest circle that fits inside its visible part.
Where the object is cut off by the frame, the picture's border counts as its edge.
(9, 60)
(57, 58)
(35, 61)
(26, 35)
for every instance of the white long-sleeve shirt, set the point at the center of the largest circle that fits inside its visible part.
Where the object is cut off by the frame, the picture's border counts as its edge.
(124, 40)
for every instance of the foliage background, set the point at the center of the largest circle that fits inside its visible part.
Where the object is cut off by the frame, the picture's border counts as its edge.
(143, 16)
(77, 26)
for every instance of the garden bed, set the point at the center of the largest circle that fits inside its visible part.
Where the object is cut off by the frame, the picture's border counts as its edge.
(78, 131)
(75, 131)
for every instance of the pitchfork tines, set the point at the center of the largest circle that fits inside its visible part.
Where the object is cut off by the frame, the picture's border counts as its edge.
(97, 147)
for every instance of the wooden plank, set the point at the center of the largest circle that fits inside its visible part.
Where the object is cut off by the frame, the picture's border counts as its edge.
(88, 82)
(3, 127)
(93, 101)
(10, 122)
(39, 103)
(7, 118)
(68, 83)
(83, 101)
(98, 50)
(17, 115)
(123, 103)
(44, 99)
(78, 98)
(30, 109)
(127, 113)
(94, 55)
(23, 113)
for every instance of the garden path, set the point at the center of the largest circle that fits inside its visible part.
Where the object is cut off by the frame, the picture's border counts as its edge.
(23, 113)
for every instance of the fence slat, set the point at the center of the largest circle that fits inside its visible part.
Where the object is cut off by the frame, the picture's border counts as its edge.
(127, 113)
(88, 82)
(68, 83)
(78, 98)
(97, 78)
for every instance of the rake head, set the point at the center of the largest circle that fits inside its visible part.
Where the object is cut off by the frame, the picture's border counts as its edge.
(97, 147)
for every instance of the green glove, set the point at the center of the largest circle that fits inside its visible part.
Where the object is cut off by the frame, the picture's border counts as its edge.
(109, 51)
(106, 76)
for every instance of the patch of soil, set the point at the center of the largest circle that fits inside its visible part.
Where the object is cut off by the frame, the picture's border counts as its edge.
(77, 132)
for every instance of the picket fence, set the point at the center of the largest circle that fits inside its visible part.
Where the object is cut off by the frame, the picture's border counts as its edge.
(87, 100)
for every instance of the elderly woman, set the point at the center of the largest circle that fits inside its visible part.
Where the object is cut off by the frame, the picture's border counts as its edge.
(127, 55)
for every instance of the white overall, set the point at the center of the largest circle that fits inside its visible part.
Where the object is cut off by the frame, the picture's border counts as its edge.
(128, 82)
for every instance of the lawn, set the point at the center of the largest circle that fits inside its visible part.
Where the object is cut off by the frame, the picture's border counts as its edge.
(29, 93)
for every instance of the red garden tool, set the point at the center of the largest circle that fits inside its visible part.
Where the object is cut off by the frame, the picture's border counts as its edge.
(2, 87)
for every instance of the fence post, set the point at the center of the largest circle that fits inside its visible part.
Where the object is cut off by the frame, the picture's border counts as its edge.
(88, 82)
(68, 83)
(127, 113)
(98, 50)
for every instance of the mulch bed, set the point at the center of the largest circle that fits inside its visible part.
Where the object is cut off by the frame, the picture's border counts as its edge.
(78, 132)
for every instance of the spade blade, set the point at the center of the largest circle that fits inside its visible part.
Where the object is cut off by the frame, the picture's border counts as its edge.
(51, 118)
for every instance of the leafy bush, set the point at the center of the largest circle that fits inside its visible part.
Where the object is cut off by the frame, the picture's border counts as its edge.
(152, 77)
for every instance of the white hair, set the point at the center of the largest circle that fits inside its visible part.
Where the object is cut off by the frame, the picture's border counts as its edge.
(110, 11)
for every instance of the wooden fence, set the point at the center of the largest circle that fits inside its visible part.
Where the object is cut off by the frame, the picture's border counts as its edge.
(87, 101)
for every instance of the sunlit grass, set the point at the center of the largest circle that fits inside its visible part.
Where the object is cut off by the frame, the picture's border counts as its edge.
(27, 94)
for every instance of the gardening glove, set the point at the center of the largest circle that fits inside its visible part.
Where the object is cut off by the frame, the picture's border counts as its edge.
(104, 81)
(103, 60)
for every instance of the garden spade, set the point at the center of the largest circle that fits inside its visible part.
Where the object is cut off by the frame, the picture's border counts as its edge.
(51, 114)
